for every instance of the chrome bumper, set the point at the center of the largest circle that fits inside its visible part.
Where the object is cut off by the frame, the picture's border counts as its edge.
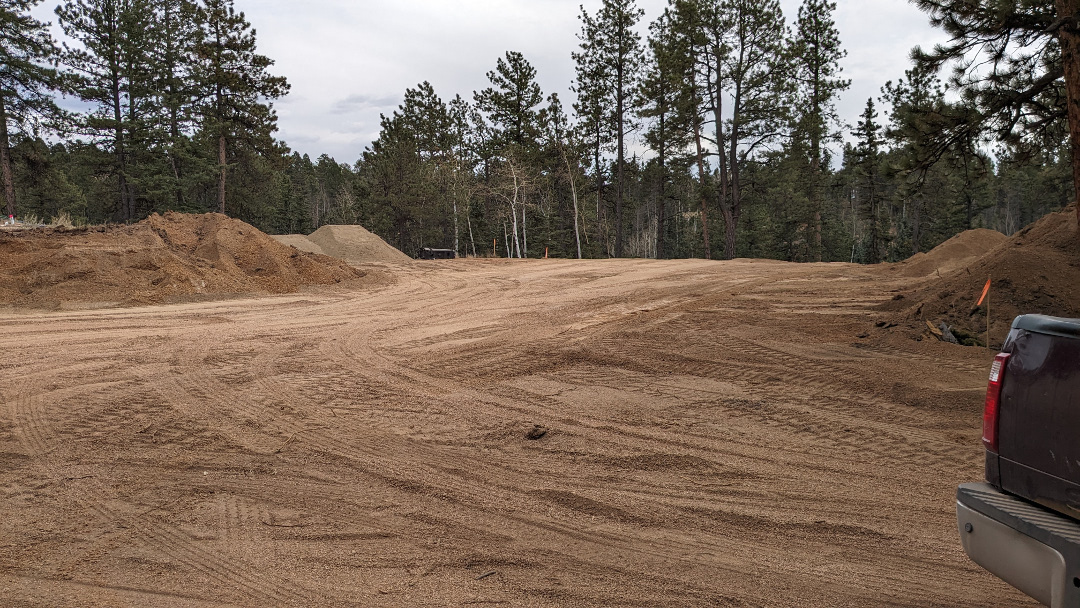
(1030, 547)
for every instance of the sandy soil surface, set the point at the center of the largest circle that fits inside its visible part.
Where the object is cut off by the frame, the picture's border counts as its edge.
(531, 433)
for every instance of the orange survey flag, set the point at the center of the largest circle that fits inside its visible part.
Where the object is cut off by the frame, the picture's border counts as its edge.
(986, 290)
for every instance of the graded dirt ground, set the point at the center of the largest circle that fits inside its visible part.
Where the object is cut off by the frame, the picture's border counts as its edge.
(717, 434)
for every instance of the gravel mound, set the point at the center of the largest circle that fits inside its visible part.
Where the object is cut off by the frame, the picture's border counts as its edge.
(163, 258)
(351, 243)
(299, 241)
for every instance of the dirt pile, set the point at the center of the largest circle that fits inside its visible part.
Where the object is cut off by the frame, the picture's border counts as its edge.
(1035, 271)
(299, 241)
(353, 244)
(161, 259)
(954, 253)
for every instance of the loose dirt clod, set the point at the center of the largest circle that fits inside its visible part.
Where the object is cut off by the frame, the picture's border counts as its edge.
(163, 258)
(536, 432)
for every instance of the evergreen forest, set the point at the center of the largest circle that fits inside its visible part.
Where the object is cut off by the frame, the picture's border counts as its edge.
(710, 132)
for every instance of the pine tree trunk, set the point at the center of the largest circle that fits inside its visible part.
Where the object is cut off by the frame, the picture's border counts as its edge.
(455, 197)
(732, 208)
(118, 143)
(1069, 37)
(176, 175)
(5, 161)
(731, 220)
(816, 197)
(221, 174)
(601, 233)
(704, 199)
(619, 101)
(662, 203)
(174, 113)
(816, 202)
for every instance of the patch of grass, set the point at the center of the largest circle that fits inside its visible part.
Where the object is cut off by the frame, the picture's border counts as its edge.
(62, 220)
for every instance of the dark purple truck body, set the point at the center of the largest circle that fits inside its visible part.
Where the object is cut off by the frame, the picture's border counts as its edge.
(1022, 523)
(1039, 424)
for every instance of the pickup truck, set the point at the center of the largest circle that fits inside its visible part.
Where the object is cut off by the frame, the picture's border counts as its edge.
(1023, 523)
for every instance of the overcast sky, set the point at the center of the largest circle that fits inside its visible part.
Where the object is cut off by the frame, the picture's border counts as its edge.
(350, 60)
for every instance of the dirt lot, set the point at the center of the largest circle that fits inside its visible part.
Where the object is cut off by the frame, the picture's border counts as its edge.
(717, 434)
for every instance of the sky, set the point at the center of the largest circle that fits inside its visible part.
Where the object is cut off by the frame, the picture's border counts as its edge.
(349, 61)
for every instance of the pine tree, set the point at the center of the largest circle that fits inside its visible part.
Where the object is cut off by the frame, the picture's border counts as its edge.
(817, 56)
(561, 148)
(110, 71)
(693, 22)
(175, 33)
(660, 95)
(236, 90)
(866, 158)
(463, 160)
(612, 56)
(27, 79)
(511, 102)
(1017, 67)
(919, 114)
(740, 55)
(590, 86)
(511, 106)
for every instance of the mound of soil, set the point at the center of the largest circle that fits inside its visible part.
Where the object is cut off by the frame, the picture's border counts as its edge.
(954, 253)
(163, 258)
(299, 241)
(1035, 271)
(353, 244)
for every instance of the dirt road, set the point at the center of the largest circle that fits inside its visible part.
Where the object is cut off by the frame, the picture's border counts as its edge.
(716, 435)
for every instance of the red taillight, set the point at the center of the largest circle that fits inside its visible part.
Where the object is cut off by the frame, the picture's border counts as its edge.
(993, 402)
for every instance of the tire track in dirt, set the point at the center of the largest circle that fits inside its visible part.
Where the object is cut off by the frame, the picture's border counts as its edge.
(416, 380)
(471, 489)
(511, 368)
(47, 591)
(830, 415)
(36, 424)
(826, 418)
(907, 355)
(393, 424)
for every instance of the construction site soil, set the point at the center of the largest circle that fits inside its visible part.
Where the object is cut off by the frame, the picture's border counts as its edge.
(166, 258)
(1036, 270)
(497, 432)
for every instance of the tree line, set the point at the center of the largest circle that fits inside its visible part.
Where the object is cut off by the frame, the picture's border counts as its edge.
(715, 134)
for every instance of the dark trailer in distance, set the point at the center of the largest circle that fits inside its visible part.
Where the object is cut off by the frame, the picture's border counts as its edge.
(427, 253)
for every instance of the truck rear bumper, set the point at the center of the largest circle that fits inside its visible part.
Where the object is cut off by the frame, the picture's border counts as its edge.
(1031, 548)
